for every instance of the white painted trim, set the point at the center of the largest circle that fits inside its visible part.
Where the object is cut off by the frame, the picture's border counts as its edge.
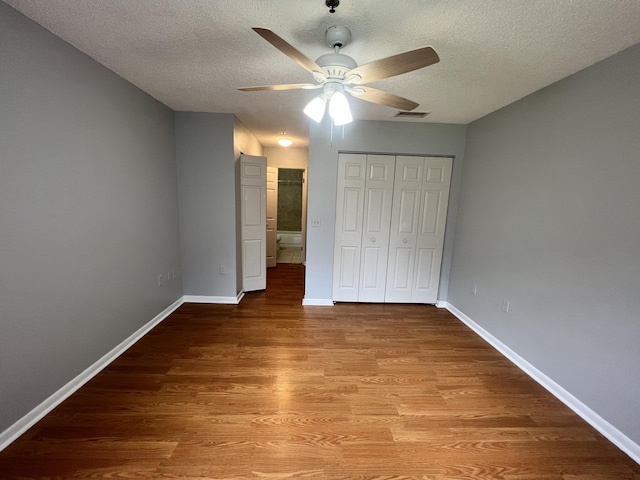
(618, 438)
(209, 299)
(441, 304)
(30, 419)
(321, 302)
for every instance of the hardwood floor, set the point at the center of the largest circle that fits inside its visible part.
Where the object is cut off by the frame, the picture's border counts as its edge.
(271, 389)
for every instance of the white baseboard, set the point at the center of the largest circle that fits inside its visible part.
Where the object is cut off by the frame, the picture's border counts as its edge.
(441, 304)
(25, 423)
(208, 299)
(618, 438)
(322, 302)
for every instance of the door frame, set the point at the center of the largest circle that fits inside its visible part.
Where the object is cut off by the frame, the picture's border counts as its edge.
(272, 221)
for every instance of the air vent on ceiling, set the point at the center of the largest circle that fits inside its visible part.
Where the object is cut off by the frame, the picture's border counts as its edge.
(412, 114)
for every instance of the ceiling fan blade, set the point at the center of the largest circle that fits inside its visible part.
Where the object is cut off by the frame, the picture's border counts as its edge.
(383, 98)
(290, 51)
(394, 65)
(291, 86)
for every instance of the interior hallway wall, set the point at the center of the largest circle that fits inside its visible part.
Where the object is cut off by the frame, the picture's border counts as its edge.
(287, 157)
(206, 178)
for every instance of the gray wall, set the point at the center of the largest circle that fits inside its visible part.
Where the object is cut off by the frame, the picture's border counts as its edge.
(207, 148)
(549, 219)
(375, 137)
(206, 178)
(287, 157)
(88, 212)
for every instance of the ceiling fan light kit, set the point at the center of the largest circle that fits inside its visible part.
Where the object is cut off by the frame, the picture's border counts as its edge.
(339, 74)
(339, 109)
(315, 109)
(285, 142)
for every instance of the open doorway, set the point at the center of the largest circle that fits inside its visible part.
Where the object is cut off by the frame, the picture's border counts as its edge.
(287, 173)
(290, 216)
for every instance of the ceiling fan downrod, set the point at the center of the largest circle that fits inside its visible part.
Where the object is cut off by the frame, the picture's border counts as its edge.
(332, 4)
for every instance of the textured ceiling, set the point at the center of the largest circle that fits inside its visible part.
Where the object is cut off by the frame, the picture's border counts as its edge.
(192, 55)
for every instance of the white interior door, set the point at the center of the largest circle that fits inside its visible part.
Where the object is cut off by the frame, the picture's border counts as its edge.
(303, 253)
(348, 236)
(390, 221)
(420, 200)
(430, 238)
(375, 227)
(404, 228)
(253, 184)
(272, 216)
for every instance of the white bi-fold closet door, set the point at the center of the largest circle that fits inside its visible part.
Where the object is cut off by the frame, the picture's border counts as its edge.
(390, 220)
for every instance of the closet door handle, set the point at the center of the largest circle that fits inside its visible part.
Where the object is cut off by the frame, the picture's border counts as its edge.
(404, 240)
(373, 239)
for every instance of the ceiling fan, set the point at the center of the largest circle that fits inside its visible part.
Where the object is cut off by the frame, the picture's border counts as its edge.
(336, 74)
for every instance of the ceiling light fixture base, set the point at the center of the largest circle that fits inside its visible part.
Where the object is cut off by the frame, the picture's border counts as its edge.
(332, 4)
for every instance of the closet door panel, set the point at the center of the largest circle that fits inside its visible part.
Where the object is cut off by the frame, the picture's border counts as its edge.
(430, 213)
(348, 235)
(375, 230)
(430, 239)
(370, 270)
(407, 211)
(390, 220)
(348, 272)
(351, 203)
(405, 219)
(401, 279)
(424, 267)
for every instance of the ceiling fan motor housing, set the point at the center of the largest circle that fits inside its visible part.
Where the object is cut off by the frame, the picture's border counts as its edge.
(336, 64)
(338, 36)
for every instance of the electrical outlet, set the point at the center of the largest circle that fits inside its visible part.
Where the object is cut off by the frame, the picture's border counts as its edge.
(223, 270)
(315, 222)
(505, 306)
(160, 280)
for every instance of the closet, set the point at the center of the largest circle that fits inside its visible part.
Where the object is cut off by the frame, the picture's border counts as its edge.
(390, 219)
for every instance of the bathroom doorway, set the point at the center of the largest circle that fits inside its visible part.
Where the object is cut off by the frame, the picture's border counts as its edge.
(291, 215)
